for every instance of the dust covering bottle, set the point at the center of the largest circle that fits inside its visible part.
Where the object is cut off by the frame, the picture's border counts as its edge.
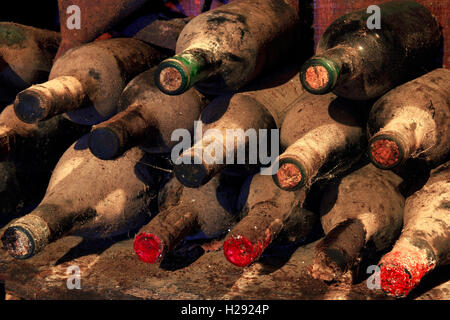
(358, 61)
(412, 121)
(424, 243)
(223, 49)
(87, 197)
(361, 215)
(148, 118)
(29, 153)
(268, 212)
(184, 211)
(236, 127)
(87, 81)
(324, 136)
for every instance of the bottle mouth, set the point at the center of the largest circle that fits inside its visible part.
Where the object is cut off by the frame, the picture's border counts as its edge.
(401, 272)
(193, 174)
(19, 242)
(104, 143)
(290, 175)
(28, 107)
(148, 247)
(329, 264)
(172, 77)
(319, 75)
(241, 252)
(386, 152)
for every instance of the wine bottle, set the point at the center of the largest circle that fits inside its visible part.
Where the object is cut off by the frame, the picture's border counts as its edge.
(29, 152)
(183, 211)
(424, 243)
(26, 56)
(94, 19)
(143, 122)
(359, 62)
(267, 213)
(412, 121)
(258, 109)
(361, 215)
(87, 81)
(325, 137)
(87, 197)
(223, 49)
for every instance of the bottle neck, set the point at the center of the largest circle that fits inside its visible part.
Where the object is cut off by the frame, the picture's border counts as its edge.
(200, 163)
(301, 161)
(43, 101)
(402, 268)
(323, 72)
(122, 132)
(401, 138)
(182, 71)
(28, 235)
(164, 233)
(338, 252)
(251, 236)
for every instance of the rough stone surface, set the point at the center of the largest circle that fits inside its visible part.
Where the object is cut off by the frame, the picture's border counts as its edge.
(113, 271)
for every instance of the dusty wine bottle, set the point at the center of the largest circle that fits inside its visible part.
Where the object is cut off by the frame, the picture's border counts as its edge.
(412, 121)
(87, 81)
(325, 137)
(30, 153)
(143, 122)
(227, 126)
(357, 222)
(259, 34)
(26, 56)
(184, 211)
(113, 203)
(359, 62)
(268, 211)
(82, 21)
(424, 243)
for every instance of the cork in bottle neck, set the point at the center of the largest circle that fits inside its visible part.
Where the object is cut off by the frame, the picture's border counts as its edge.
(42, 101)
(26, 237)
(388, 149)
(179, 73)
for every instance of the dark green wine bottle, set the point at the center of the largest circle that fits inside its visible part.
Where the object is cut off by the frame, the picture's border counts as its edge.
(359, 62)
(223, 49)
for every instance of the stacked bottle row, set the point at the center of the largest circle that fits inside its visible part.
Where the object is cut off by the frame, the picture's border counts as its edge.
(367, 95)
